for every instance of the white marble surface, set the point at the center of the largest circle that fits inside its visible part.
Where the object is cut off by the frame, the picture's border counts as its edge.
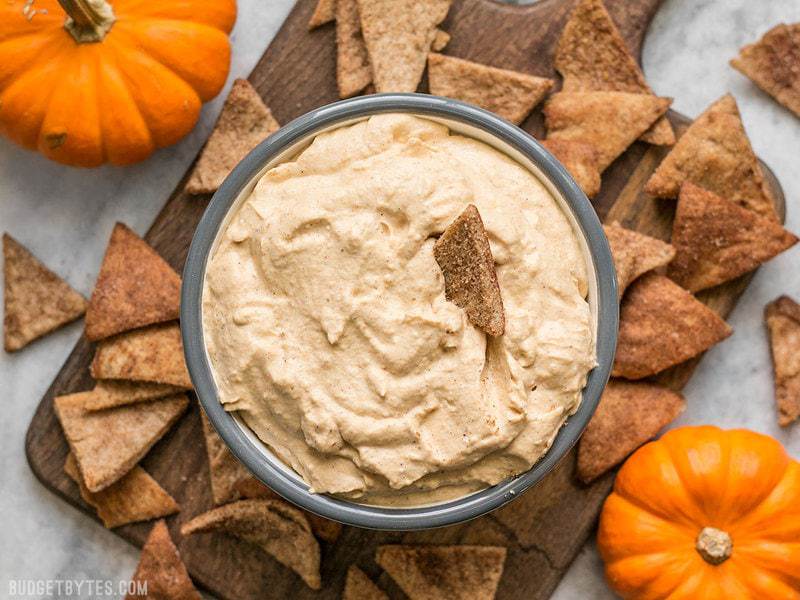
(65, 217)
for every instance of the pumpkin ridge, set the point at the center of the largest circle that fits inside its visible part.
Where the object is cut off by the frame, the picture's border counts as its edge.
(686, 525)
(225, 22)
(635, 563)
(41, 79)
(130, 105)
(753, 525)
(677, 456)
(676, 509)
(50, 142)
(751, 563)
(129, 30)
(129, 63)
(19, 69)
(11, 16)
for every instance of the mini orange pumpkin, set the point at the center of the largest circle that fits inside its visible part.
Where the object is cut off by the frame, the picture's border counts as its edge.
(109, 83)
(704, 513)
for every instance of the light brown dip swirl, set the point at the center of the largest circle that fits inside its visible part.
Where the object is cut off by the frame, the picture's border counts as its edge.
(328, 330)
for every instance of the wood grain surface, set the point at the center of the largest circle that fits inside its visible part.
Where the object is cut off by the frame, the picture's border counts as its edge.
(544, 528)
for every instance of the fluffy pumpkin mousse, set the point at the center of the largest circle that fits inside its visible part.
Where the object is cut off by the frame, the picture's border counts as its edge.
(330, 332)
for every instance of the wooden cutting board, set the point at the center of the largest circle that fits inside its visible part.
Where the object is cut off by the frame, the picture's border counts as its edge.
(544, 528)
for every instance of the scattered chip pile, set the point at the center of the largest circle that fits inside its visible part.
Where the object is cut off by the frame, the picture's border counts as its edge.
(783, 324)
(36, 300)
(725, 226)
(592, 57)
(715, 154)
(608, 121)
(244, 122)
(605, 102)
(141, 383)
(383, 46)
(773, 63)
(162, 570)
(510, 94)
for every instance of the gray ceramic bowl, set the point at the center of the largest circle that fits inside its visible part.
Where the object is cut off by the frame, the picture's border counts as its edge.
(284, 144)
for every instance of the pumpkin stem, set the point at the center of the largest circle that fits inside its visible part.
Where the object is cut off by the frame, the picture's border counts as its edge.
(88, 21)
(714, 545)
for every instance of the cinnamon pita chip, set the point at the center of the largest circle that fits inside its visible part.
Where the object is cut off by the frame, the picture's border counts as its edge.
(135, 497)
(715, 153)
(245, 121)
(592, 56)
(783, 323)
(135, 287)
(399, 34)
(36, 300)
(717, 240)
(323, 13)
(635, 253)
(662, 325)
(161, 568)
(470, 281)
(108, 393)
(440, 40)
(629, 414)
(107, 444)
(324, 529)
(274, 526)
(772, 64)
(609, 121)
(153, 354)
(353, 71)
(444, 572)
(358, 586)
(224, 470)
(581, 160)
(510, 94)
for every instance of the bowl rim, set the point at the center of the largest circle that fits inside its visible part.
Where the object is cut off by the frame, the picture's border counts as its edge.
(273, 473)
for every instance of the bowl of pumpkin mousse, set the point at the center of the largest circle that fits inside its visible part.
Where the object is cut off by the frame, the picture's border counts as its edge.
(399, 311)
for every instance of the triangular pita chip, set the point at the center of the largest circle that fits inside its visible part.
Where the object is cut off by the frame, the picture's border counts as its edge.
(470, 280)
(717, 240)
(150, 354)
(440, 41)
(36, 300)
(108, 393)
(224, 470)
(510, 94)
(592, 56)
(358, 586)
(324, 529)
(581, 160)
(783, 323)
(662, 325)
(715, 154)
(107, 444)
(245, 121)
(274, 526)
(353, 71)
(324, 12)
(609, 121)
(161, 567)
(772, 64)
(444, 572)
(635, 253)
(629, 414)
(399, 34)
(135, 287)
(136, 497)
